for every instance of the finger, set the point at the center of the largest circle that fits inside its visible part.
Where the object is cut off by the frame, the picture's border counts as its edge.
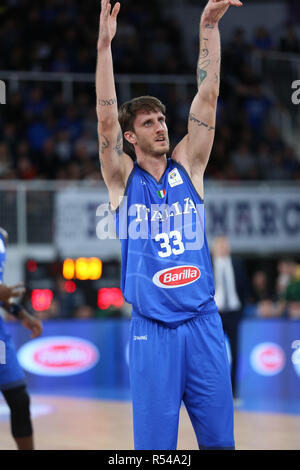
(16, 286)
(104, 8)
(38, 327)
(220, 5)
(35, 334)
(16, 292)
(116, 10)
(34, 331)
(103, 5)
(108, 8)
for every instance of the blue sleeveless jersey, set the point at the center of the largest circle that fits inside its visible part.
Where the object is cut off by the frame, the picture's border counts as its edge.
(166, 271)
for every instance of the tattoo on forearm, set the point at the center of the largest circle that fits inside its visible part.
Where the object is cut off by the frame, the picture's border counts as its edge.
(204, 53)
(109, 102)
(217, 78)
(104, 143)
(209, 26)
(193, 118)
(201, 76)
(201, 72)
(119, 145)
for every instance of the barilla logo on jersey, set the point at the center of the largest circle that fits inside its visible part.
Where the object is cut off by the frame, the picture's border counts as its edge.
(58, 356)
(177, 276)
(267, 359)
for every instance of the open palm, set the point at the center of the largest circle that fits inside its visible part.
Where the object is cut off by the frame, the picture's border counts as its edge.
(215, 9)
(108, 23)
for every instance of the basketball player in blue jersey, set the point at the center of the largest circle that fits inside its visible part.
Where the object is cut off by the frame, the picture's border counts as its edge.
(12, 379)
(177, 349)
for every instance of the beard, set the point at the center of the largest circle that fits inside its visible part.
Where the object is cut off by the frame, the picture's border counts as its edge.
(154, 149)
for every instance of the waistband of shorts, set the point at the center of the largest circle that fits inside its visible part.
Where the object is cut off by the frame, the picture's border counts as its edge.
(172, 325)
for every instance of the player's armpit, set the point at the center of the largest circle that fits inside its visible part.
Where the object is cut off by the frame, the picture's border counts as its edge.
(115, 164)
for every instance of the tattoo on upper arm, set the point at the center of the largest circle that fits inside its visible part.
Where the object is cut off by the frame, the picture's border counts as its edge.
(108, 102)
(193, 118)
(104, 143)
(119, 145)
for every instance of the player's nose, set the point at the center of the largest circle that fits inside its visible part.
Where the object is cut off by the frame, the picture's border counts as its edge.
(159, 127)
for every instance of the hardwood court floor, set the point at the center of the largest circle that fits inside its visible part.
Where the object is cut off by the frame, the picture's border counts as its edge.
(82, 424)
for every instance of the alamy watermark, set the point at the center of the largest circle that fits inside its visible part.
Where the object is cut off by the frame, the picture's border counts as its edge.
(296, 95)
(2, 92)
(2, 352)
(168, 224)
(296, 353)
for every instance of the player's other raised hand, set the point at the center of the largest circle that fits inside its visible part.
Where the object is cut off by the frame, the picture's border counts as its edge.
(6, 292)
(216, 9)
(31, 323)
(108, 23)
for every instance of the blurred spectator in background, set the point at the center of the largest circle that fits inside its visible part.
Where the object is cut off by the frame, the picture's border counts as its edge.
(236, 52)
(285, 270)
(289, 42)
(262, 302)
(66, 303)
(267, 309)
(5, 160)
(290, 299)
(53, 117)
(84, 312)
(231, 294)
(244, 162)
(258, 104)
(262, 39)
(260, 287)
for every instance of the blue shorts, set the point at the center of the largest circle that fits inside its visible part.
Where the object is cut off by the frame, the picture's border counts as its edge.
(170, 365)
(11, 374)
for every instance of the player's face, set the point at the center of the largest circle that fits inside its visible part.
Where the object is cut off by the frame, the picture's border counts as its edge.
(221, 247)
(151, 133)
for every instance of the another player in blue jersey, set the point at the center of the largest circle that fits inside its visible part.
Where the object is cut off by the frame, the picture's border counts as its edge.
(177, 348)
(12, 378)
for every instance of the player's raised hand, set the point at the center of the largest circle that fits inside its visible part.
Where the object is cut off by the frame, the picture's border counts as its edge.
(216, 9)
(31, 323)
(6, 292)
(108, 23)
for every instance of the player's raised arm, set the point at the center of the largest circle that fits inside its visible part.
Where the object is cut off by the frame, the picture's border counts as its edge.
(115, 164)
(202, 116)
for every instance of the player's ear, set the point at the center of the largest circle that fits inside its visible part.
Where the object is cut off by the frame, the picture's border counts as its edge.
(130, 137)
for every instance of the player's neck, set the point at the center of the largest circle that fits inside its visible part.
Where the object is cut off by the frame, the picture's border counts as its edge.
(153, 165)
